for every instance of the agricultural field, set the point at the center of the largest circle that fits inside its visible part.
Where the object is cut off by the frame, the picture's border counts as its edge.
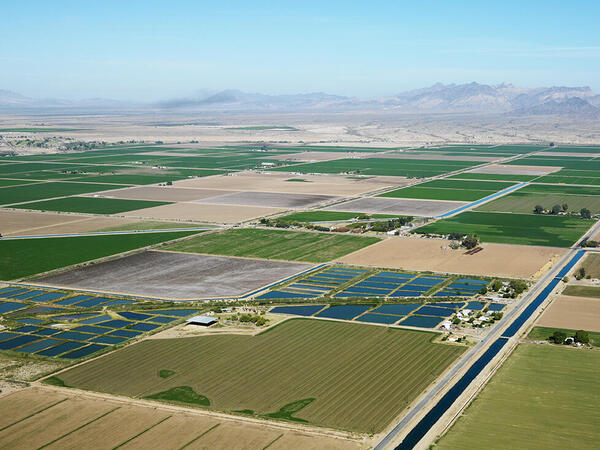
(534, 403)
(565, 311)
(538, 333)
(525, 229)
(458, 190)
(275, 244)
(582, 291)
(397, 206)
(569, 176)
(421, 168)
(312, 375)
(39, 191)
(172, 275)
(324, 216)
(591, 265)
(90, 205)
(525, 199)
(499, 260)
(492, 177)
(26, 257)
(40, 417)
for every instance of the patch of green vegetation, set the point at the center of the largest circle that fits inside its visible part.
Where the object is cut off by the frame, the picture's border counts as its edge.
(420, 168)
(275, 244)
(544, 333)
(458, 190)
(31, 192)
(90, 205)
(133, 179)
(286, 412)
(166, 373)
(25, 257)
(582, 291)
(6, 182)
(567, 162)
(55, 381)
(526, 229)
(248, 412)
(524, 202)
(298, 180)
(493, 177)
(542, 397)
(181, 394)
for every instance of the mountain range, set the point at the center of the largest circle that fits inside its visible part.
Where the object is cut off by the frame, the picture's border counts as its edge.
(439, 98)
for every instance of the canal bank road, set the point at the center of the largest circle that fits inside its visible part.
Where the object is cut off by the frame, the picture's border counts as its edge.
(425, 424)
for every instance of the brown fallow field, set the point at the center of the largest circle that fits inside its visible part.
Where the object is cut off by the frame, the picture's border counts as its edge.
(575, 313)
(56, 418)
(422, 254)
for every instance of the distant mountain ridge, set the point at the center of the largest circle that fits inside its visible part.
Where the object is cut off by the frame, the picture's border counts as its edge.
(474, 97)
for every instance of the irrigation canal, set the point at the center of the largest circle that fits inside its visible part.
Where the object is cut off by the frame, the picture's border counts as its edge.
(429, 420)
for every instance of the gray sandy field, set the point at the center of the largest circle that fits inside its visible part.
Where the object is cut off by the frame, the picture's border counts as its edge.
(379, 205)
(176, 275)
(269, 199)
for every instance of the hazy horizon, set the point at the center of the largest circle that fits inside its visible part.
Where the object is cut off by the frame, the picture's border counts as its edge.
(152, 51)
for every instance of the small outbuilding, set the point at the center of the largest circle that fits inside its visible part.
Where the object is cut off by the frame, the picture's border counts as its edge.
(204, 321)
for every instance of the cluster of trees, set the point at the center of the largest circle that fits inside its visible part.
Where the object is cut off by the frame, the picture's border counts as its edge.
(580, 274)
(515, 288)
(560, 337)
(256, 319)
(361, 227)
(468, 241)
(585, 213)
(590, 243)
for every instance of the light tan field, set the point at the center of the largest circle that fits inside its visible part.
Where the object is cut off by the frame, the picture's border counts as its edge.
(576, 313)
(275, 182)
(500, 260)
(162, 193)
(515, 170)
(54, 418)
(81, 225)
(591, 265)
(15, 221)
(596, 236)
(195, 212)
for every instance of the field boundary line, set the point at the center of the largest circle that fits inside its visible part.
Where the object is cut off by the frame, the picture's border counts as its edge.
(34, 414)
(141, 432)
(199, 436)
(272, 442)
(79, 428)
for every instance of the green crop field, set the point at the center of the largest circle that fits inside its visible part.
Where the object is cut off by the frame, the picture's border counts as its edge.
(593, 181)
(341, 375)
(492, 177)
(415, 168)
(24, 257)
(39, 191)
(525, 202)
(323, 216)
(543, 333)
(542, 397)
(90, 205)
(132, 179)
(275, 244)
(527, 229)
(5, 182)
(566, 162)
(582, 291)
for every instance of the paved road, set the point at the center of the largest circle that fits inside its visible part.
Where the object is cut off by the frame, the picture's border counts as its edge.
(488, 340)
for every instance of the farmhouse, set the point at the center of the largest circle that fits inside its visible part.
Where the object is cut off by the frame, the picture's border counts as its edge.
(204, 321)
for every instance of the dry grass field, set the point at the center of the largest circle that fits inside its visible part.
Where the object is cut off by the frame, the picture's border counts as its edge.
(500, 260)
(49, 418)
(591, 265)
(578, 313)
(196, 212)
(276, 182)
(333, 374)
(12, 222)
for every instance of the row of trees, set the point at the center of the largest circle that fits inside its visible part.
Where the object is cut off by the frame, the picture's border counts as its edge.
(556, 209)
(560, 337)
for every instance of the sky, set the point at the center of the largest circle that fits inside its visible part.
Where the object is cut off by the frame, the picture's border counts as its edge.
(156, 50)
